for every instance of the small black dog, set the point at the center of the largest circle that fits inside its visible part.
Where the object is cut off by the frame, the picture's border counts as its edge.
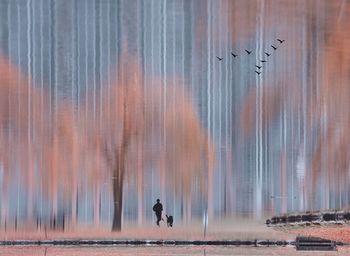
(169, 220)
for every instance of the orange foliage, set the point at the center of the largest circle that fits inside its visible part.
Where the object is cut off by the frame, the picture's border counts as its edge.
(68, 146)
(328, 105)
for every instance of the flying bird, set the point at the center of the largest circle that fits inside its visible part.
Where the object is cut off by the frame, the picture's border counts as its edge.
(280, 40)
(263, 61)
(258, 72)
(220, 59)
(249, 52)
(259, 67)
(274, 47)
(234, 55)
(267, 54)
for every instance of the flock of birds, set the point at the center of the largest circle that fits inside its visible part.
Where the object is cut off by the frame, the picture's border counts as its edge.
(259, 67)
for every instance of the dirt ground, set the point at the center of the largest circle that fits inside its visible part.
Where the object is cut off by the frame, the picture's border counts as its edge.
(229, 229)
(162, 251)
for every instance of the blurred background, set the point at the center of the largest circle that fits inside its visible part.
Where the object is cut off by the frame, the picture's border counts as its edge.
(108, 105)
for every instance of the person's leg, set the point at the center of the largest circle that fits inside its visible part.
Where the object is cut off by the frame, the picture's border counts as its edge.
(159, 217)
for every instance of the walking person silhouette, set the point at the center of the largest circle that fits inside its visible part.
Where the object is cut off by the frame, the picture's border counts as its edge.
(158, 208)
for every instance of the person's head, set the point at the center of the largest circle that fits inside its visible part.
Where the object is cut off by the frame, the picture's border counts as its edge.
(158, 200)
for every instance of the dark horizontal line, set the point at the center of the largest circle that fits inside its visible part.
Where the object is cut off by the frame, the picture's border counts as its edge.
(144, 242)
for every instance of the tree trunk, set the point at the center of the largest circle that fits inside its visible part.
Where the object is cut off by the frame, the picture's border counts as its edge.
(119, 168)
(97, 204)
(118, 191)
(140, 181)
(30, 187)
(118, 203)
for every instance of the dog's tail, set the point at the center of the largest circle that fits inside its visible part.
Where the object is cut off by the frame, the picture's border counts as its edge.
(167, 216)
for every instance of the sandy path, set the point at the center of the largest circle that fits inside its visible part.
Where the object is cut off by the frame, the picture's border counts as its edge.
(228, 229)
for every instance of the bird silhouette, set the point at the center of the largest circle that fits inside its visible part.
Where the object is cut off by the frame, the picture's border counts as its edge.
(220, 59)
(280, 40)
(267, 54)
(258, 72)
(259, 67)
(234, 55)
(249, 52)
(274, 47)
(263, 61)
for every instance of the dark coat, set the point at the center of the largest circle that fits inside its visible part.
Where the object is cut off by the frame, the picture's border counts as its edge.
(158, 208)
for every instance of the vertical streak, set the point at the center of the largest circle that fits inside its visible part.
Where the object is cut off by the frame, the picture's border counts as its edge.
(164, 50)
(54, 59)
(50, 15)
(29, 64)
(210, 206)
(18, 99)
(226, 107)
(151, 80)
(54, 66)
(304, 85)
(76, 105)
(173, 57)
(218, 119)
(87, 107)
(164, 87)
(99, 71)
(259, 148)
(41, 98)
(109, 58)
(100, 55)
(94, 38)
(31, 71)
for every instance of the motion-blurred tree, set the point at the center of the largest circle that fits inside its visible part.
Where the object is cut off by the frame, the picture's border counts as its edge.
(35, 136)
(158, 121)
(327, 104)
